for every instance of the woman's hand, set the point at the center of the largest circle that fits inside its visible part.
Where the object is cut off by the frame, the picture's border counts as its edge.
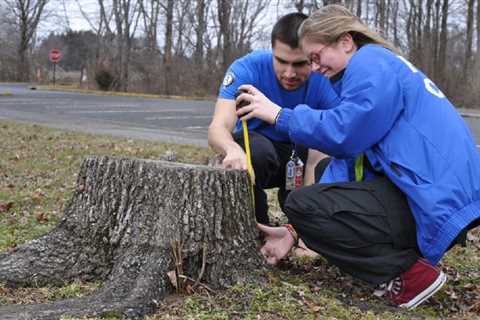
(278, 242)
(259, 106)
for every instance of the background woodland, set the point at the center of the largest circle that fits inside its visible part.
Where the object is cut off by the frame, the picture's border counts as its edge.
(183, 47)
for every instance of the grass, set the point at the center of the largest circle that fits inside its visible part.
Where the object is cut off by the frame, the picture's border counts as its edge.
(38, 168)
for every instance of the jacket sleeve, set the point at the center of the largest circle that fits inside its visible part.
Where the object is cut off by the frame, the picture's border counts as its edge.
(328, 97)
(371, 101)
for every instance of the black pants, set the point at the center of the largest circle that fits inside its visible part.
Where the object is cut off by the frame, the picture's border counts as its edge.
(365, 228)
(269, 159)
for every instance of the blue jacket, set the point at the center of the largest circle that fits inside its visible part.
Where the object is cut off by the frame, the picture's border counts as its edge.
(256, 68)
(406, 127)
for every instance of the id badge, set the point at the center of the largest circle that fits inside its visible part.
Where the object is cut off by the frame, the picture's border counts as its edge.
(294, 172)
(290, 175)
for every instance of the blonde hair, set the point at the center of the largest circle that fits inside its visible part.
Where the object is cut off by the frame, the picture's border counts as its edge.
(330, 22)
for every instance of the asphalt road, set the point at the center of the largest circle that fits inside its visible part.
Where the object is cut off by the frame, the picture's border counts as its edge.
(175, 121)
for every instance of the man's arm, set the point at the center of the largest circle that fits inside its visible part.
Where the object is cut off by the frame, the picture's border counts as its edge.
(220, 135)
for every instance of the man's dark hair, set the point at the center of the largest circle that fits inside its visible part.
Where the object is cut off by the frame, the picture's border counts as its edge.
(285, 30)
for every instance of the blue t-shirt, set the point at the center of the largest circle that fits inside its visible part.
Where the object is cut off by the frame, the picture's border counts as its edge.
(256, 69)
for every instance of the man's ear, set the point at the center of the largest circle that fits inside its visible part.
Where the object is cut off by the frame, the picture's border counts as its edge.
(347, 43)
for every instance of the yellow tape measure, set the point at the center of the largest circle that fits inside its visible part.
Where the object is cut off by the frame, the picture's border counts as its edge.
(246, 142)
(250, 171)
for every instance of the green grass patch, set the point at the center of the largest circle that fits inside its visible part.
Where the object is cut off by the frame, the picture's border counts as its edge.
(74, 88)
(38, 168)
(74, 289)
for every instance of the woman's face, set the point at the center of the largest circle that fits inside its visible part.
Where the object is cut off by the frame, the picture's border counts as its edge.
(329, 59)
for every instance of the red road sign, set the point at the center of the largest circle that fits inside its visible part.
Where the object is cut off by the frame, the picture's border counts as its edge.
(55, 55)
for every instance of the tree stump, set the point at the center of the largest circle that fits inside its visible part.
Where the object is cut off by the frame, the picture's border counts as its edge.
(122, 225)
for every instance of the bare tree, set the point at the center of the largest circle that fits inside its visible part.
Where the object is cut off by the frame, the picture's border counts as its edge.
(238, 26)
(224, 9)
(469, 38)
(410, 23)
(442, 51)
(183, 27)
(126, 16)
(8, 56)
(167, 51)
(150, 10)
(200, 30)
(104, 44)
(359, 8)
(427, 39)
(246, 14)
(478, 31)
(395, 13)
(380, 14)
(27, 15)
(300, 5)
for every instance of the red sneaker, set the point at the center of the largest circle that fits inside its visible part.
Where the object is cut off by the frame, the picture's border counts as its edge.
(416, 285)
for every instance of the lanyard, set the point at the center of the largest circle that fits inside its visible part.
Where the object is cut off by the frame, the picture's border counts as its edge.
(359, 167)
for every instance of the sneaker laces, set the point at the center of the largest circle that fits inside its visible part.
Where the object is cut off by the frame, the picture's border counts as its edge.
(393, 287)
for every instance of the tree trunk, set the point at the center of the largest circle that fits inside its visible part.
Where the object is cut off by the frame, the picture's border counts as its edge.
(442, 50)
(428, 52)
(478, 31)
(121, 225)
(396, 40)
(419, 36)
(224, 10)
(200, 31)
(469, 39)
(167, 51)
(435, 42)
(359, 8)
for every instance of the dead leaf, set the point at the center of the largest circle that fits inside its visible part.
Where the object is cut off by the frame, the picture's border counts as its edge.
(314, 307)
(37, 196)
(41, 217)
(189, 289)
(4, 207)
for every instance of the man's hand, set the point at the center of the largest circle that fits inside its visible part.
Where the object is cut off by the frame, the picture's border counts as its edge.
(278, 242)
(235, 158)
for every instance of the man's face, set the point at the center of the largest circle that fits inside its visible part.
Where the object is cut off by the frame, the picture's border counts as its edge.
(290, 65)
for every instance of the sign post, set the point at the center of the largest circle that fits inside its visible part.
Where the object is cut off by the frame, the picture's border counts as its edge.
(55, 55)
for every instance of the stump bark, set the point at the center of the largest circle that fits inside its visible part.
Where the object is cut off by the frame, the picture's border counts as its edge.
(119, 227)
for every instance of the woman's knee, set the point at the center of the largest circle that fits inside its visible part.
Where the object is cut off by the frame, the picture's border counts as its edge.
(303, 203)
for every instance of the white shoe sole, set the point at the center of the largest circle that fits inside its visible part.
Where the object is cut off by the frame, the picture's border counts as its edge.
(427, 293)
